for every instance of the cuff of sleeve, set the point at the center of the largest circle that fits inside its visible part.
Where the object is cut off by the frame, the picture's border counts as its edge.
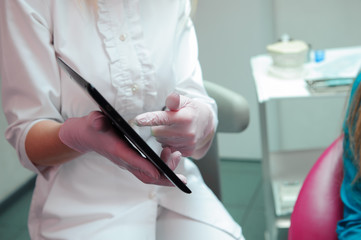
(23, 157)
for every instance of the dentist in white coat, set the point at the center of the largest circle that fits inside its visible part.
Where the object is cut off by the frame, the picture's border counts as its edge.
(141, 55)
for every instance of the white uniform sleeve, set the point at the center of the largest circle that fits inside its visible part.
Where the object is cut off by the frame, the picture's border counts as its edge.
(188, 69)
(30, 76)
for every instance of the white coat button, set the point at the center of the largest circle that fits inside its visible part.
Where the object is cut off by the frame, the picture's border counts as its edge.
(152, 195)
(122, 37)
(135, 88)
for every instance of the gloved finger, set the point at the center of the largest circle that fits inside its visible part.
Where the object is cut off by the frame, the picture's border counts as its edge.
(145, 178)
(156, 118)
(176, 145)
(177, 132)
(179, 147)
(172, 159)
(142, 165)
(98, 121)
(121, 151)
(182, 178)
(186, 151)
(162, 180)
(165, 154)
(174, 101)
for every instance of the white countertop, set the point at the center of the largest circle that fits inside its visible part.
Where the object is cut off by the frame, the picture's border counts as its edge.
(270, 86)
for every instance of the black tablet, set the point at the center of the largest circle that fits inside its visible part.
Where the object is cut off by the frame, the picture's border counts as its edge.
(125, 130)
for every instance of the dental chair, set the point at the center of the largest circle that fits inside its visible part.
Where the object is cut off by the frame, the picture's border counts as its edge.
(233, 117)
(319, 207)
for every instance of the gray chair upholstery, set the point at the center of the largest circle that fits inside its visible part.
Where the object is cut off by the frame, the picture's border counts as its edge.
(233, 116)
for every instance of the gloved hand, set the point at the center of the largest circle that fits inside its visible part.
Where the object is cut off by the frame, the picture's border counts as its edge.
(94, 132)
(187, 127)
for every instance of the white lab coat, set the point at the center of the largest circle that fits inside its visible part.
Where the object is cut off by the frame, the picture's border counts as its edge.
(135, 53)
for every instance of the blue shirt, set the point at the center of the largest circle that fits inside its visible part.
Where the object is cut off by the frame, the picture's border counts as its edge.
(350, 226)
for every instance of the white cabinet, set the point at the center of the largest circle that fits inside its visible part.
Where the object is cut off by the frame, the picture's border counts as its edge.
(296, 126)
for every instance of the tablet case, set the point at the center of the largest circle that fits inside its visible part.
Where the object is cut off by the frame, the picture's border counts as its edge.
(125, 131)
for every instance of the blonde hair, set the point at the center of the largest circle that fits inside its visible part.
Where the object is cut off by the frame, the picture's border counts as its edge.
(194, 5)
(354, 128)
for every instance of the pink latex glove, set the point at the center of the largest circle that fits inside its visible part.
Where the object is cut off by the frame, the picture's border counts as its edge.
(95, 133)
(187, 127)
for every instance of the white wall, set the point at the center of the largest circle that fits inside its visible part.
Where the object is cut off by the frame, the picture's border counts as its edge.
(323, 23)
(229, 33)
(232, 31)
(12, 174)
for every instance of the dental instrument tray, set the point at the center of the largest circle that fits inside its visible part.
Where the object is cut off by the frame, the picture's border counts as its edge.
(125, 131)
(329, 85)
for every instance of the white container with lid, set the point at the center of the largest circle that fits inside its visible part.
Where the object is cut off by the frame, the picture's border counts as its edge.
(288, 53)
